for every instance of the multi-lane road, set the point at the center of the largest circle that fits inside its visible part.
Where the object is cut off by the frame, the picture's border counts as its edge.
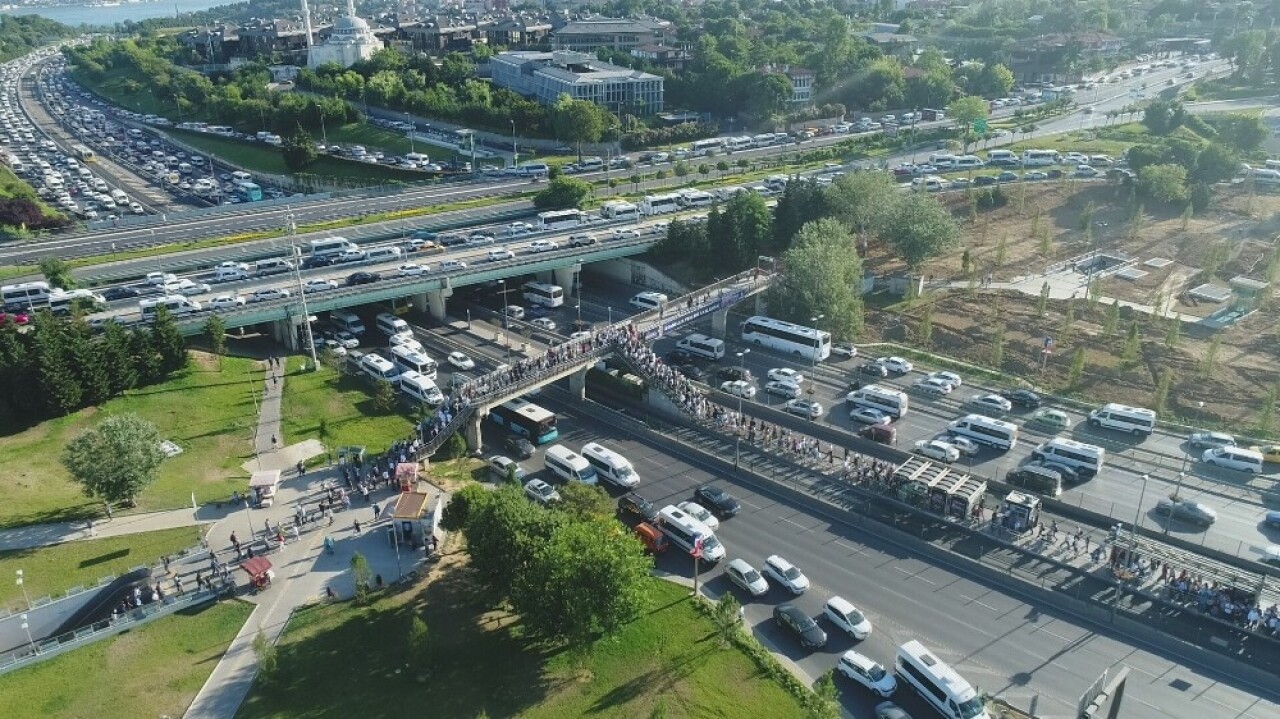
(1036, 658)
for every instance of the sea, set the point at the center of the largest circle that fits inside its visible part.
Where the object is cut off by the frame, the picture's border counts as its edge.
(112, 12)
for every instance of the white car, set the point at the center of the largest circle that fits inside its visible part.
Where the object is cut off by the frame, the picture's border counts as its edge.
(543, 323)
(841, 612)
(937, 449)
(991, 403)
(967, 447)
(785, 374)
(158, 279)
(869, 415)
(346, 256)
(519, 228)
(745, 576)
(845, 349)
(786, 574)
(950, 378)
(191, 288)
(739, 388)
(541, 492)
(932, 385)
(318, 285)
(895, 364)
(413, 270)
(268, 293)
(480, 238)
(789, 390)
(346, 340)
(449, 265)
(868, 673)
(461, 361)
(804, 407)
(498, 254)
(626, 234)
(227, 302)
(700, 513)
(543, 246)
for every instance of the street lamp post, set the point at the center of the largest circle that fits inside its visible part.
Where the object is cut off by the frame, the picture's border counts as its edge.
(610, 316)
(578, 307)
(468, 318)
(815, 321)
(515, 152)
(506, 319)
(742, 371)
(1133, 542)
(22, 584)
(27, 628)
(302, 295)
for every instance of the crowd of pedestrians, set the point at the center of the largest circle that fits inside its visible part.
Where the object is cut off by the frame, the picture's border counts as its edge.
(1230, 604)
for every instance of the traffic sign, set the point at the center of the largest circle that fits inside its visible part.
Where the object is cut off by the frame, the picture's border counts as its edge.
(979, 125)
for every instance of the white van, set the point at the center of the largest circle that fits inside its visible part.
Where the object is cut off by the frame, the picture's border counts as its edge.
(1237, 458)
(1004, 158)
(649, 300)
(176, 304)
(568, 466)
(591, 164)
(348, 321)
(687, 533)
(968, 162)
(533, 169)
(272, 266)
(610, 465)
(1086, 458)
(420, 388)
(1134, 420)
(702, 346)
(231, 272)
(378, 367)
(928, 183)
(409, 359)
(390, 325)
(942, 160)
(383, 254)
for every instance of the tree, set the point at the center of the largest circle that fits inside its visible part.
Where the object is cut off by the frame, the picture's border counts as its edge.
(965, 111)
(739, 232)
(824, 276)
(116, 460)
(1215, 163)
(167, 342)
(1042, 303)
(419, 640)
(826, 701)
(54, 364)
(1210, 360)
(1164, 116)
(995, 80)
(1165, 183)
(215, 329)
(864, 201)
(1267, 412)
(920, 228)
(299, 150)
(562, 193)
(265, 652)
(725, 614)
(924, 332)
(462, 505)
(1174, 333)
(585, 500)
(1077, 368)
(997, 346)
(579, 121)
(802, 202)
(384, 396)
(1132, 344)
(1160, 400)
(1112, 320)
(681, 169)
(363, 576)
(57, 272)
(588, 578)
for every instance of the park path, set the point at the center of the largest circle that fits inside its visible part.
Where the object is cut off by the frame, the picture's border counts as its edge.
(1069, 284)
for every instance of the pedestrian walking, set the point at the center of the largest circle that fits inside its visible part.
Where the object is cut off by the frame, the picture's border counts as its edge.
(296, 535)
(177, 586)
(357, 525)
(274, 441)
(375, 511)
(166, 560)
(302, 469)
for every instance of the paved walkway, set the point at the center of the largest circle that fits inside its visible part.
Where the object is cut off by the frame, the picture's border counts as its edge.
(1068, 284)
(43, 535)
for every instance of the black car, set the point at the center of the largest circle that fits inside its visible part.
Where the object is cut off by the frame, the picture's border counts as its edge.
(692, 371)
(676, 358)
(362, 278)
(720, 502)
(112, 294)
(519, 446)
(793, 618)
(315, 261)
(985, 180)
(1023, 398)
(873, 369)
(733, 374)
(1069, 474)
(451, 239)
(633, 505)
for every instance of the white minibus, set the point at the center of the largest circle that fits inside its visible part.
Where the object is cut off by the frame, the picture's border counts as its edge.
(689, 534)
(569, 466)
(702, 346)
(890, 401)
(610, 465)
(984, 430)
(1134, 420)
(937, 683)
(1086, 458)
(411, 360)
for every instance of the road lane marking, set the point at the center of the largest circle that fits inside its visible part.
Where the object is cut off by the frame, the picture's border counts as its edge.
(917, 575)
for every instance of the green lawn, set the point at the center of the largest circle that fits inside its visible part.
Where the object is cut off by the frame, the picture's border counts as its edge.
(345, 403)
(115, 89)
(153, 671)
(52, 570)
(669, 663)
(206, 411)
(262, 158)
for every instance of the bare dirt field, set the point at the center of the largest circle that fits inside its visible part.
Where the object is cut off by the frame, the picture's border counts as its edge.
(1234, 371)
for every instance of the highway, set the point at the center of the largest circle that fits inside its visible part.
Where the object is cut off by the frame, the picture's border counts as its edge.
(238, 219)
(1034, 657)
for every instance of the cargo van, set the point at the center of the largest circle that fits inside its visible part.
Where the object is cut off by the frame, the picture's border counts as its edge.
(968, 162)
(383, 254)
(567, 465)
(1085, 458)
(1237, 458)
(1123, 418)
(272, 266)
(610, 465)
(702, 346)
(348, 321)
(533, 169)
(1003, 158)
(420, 388)
(389, 324)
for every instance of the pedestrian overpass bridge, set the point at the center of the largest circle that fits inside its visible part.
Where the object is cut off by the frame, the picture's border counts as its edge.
(572, 360)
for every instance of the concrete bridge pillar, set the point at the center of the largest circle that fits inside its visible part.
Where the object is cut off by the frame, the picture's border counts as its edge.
(720, 323)
(434, 301)
(564, 277)
(578, 384)
(472, 432)
(285, 332)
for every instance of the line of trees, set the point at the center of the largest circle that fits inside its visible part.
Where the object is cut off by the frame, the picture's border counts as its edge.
(572, 571)
(56, 366)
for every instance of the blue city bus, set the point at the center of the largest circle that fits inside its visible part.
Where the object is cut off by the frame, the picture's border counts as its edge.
(526, 419)
(248, 191)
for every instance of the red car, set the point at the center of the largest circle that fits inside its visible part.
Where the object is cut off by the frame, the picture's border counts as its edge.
(19, 318)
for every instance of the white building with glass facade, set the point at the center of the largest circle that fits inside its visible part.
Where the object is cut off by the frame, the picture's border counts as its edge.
(544, 76)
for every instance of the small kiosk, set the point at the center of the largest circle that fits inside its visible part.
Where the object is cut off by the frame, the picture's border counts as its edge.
(407, 518)
(259, 571)
(353, 456)
(262, 487)
(407, 476)
(1019, 512)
